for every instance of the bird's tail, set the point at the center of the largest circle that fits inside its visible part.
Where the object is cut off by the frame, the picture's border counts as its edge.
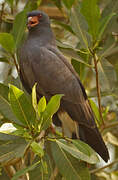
(94, 139)
(91, 134)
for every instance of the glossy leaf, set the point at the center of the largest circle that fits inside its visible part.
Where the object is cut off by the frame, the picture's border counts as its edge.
(34, 98)
(81, 167)
(11, 147)
(43, 170)
(65, 26)
(7, 42)
(79, 150)
(95, 110)
(106, 80)
(19, 27)
(110, 7)
(37, 149)
(71, 169)
(21, 106)
(41, 105)
(5, 107)
(25, 170)
(91, 12)
(72, 53)
(51, 109)
(80, 27)
(103, 24)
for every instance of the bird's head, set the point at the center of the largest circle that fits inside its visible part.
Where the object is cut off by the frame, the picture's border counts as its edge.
(36, 18)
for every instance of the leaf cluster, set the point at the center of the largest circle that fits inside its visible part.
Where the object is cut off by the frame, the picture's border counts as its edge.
(90, 32)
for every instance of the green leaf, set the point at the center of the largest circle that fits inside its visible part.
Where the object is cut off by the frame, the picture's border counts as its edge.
(103, 24)
(65, 26)
(43, 170)
(7, 42)
(81, 167)
(19, 27)
(110, 7)
(72, 53)
(95, 110)
(41, 105)
(68, 166)
(91, 12)
(80, 68)
(87, 150)
(11, 147)
(22, 132)
(69, 3)
(51, 109)
(106, 80)
(80, 27)
(5, 108)
(21, 107)
(34, 98)
(79, 150)
(25, 170)
(37, 149)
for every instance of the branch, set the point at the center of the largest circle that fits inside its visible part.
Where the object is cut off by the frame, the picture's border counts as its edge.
(98, 87)
(104, 167)
(109, 126)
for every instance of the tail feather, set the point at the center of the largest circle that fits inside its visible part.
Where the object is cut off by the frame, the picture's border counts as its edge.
(88, 131)
(93, 138)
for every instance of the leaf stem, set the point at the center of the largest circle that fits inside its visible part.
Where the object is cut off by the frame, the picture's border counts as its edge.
(109, 126)
(104, 167)
(95, 58)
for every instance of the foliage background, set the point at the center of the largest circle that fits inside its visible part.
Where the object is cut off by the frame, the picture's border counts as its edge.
(87, 33)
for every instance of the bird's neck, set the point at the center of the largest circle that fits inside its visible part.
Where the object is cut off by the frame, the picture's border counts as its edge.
(43, 34)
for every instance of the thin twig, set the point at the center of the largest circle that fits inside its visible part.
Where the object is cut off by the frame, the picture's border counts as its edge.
(109, 126)
(104, 167)
(98, 88)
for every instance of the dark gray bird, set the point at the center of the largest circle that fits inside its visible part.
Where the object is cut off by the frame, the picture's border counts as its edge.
(42, 62)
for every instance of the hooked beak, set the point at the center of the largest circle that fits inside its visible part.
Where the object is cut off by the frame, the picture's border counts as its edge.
(28, 22)
(32, 21)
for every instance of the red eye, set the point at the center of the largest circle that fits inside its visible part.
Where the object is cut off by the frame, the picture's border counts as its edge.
(39, 15)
